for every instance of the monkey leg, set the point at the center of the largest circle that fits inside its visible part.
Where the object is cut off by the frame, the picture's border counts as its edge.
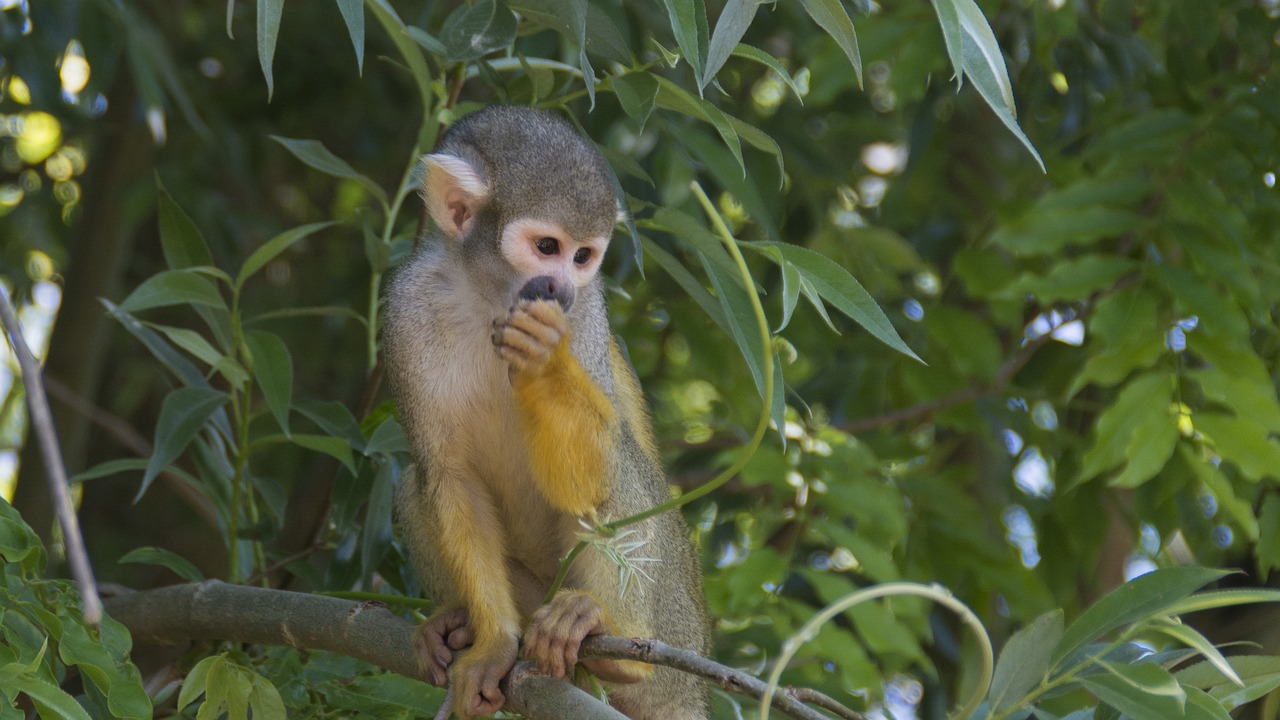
(556, 634)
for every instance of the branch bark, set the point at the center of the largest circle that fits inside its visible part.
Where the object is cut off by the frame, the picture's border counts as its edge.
(368, 631)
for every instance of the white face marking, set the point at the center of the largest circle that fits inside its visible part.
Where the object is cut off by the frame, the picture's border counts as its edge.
(536, 248)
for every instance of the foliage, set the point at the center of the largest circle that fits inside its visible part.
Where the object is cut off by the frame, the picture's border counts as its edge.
(1100, 386)
(44, 638)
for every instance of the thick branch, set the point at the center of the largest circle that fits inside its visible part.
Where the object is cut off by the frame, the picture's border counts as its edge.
(368, 631)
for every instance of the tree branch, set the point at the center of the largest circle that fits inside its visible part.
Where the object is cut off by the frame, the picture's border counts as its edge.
(42, 424)
(368, 631)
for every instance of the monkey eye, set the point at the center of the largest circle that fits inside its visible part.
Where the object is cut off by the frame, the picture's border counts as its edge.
(547, 245)
(582, 256)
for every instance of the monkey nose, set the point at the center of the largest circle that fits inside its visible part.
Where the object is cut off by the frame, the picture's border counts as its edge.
(546, 287)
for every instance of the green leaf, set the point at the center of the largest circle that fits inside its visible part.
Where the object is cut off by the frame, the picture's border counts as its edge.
(265, 701)
(174, 287)
(269, 12)
(637, 92)
(1024, 661)
(688, 282)
(602, 36)
(319, 157)
(182, 415)
(578, 15)
(1139, 415)
(427, 41)
(839, 288)
(1189, 636)
(353, 16)
(473, 32)
(388, 438)
(175, 362)
(674, 97)
(183, 245)
(1048, 232)
(1241, 442)
(738, 311)
(273, 247)
(791, 282)
(194, 343)
(972, 47)
(689, 23)
(46, 695)
(735, 18)
(333, 447)
(1201, 706)
(194, 684)
(334, 418)
(1144, 597)
(113, 675)
(376, 529)
(273, 369)
(396, 31)
(694, 234)
(1259, 673)
(1268, 548)
(1214, 599)
(952, 36)
(1071, 280)
(165, 558)
(1144, 691)
(757, 55)
(832, 18)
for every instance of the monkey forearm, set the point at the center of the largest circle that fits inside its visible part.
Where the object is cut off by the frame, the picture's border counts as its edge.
(570, 430)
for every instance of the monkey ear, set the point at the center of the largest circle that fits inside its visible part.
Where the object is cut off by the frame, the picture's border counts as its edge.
(454, 190)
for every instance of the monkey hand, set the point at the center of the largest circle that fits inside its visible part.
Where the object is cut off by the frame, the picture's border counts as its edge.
(437, 639)
(556, 634)
(530, 334)
(476, 674)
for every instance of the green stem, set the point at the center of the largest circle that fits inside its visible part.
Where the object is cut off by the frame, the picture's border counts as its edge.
(762, 425)
(934, 593)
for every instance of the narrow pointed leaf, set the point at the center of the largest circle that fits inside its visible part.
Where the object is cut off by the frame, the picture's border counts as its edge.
(1144, 691)
(273, 247)
(181, 241)
(1146, 596)
(181, 566)
(688, 282)
(732, 24)
(269, 12)
(952, 36)
(637, 93)
(757, 55)
(180, 366)
(473, 32)
(273, 369)
(839, 288)
(832, 18)
(182, 415)
(353, 16)
(1192, 638)
(173, 287)
(315, 154)
(1024, 661)
(689, 23)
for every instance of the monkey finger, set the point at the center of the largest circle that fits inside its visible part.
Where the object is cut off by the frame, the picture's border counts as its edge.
(461, 638)
(547, 336)
(547, 312)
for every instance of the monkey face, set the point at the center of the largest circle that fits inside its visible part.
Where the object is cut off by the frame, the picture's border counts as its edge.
(551, 263)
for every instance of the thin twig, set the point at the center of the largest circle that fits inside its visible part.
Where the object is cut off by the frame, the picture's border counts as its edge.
(42, 423)
(656, 652)
(132, 440)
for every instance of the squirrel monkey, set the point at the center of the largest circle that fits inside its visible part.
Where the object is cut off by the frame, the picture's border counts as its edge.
(525, 418)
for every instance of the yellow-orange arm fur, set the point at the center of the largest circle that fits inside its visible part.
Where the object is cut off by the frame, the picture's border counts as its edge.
(570, 429)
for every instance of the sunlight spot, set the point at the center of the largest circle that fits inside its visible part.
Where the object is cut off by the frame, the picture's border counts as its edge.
(1031, 474)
